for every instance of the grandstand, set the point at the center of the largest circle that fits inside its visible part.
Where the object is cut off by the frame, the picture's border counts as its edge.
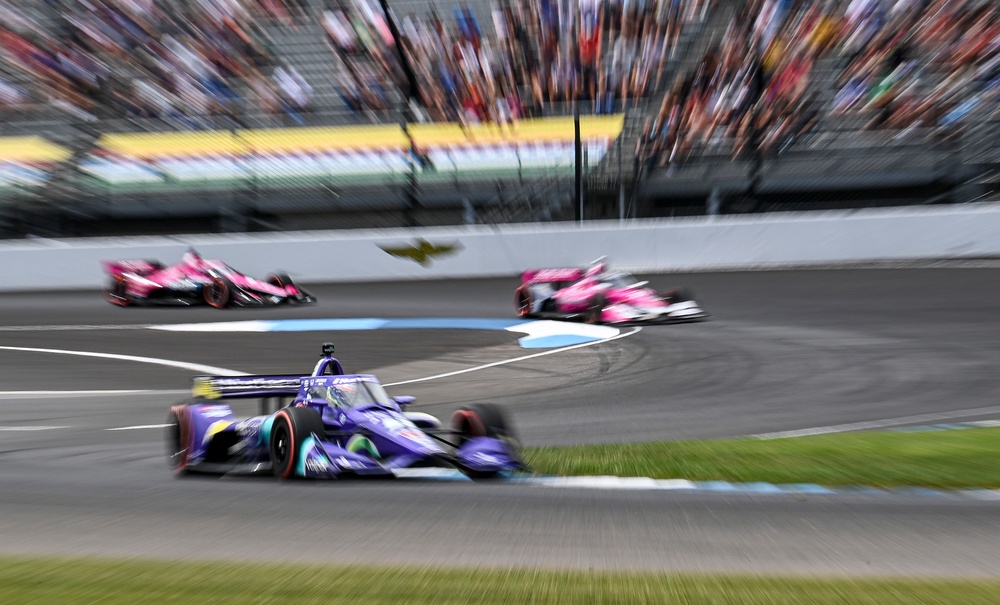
(149, 116)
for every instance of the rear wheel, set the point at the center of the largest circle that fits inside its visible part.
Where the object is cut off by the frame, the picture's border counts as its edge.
(178, 438)
(522, 301)
(116, 292)
(219, 293)
(291, 426)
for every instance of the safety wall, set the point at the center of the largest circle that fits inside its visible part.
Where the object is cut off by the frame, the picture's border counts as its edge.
(690, 244)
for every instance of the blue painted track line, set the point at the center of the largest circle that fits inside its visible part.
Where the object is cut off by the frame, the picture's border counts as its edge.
(539, 334)
(718, 487)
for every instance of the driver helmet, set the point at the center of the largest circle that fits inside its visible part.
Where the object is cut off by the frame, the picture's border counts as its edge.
(192, 259)
(334, 397)
(597, 270)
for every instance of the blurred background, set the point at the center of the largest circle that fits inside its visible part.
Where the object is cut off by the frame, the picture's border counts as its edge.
(154, 116)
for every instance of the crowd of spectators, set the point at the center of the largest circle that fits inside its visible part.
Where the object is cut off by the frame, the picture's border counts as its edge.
(915, 64)
(904, 65)
(901, 65)
(174, 60)
(533, 55)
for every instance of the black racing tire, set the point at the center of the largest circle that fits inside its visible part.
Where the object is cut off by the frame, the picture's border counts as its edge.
(290, 427)
(595, 311)
(116, 292)
(218, 293)
(676, 296)
(522, 302)
(482, 420)
(282, 280)
(279, 279)
(178, 438)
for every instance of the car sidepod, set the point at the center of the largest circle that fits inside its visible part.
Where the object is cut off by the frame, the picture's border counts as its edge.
(397, 441)
(327, 460)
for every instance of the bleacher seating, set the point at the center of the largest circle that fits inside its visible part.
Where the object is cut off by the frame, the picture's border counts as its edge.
(842, 147)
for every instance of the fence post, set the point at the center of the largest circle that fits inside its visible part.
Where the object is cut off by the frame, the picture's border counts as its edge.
(578, 162)
(621, 176)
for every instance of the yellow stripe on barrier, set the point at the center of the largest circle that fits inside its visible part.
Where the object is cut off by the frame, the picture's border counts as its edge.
(291, 140)
(288, 140)
(173, 144)
(525, 131)
(31, 150)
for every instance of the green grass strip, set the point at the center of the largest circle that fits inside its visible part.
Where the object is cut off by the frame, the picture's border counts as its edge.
(939, 459)
(48, 580)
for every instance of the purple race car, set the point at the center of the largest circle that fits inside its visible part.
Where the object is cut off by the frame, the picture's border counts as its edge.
(335, 424)
(599, 296)
(195, 280)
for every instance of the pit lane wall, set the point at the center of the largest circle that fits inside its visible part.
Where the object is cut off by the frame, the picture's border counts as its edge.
(689, 244)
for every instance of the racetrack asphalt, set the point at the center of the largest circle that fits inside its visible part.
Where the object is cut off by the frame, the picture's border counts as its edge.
(786, 350)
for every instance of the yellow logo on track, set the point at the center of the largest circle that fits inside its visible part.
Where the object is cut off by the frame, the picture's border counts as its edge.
(421, 251)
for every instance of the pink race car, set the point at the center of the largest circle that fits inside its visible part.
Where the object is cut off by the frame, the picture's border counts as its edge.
(193, 281)
(598, 296)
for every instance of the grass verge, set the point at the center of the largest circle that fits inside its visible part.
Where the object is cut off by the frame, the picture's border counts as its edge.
(940, 459)
(45, 580)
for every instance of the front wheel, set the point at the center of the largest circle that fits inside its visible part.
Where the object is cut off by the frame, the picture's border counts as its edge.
(218, 293)
(290, 427)
(679, 295)
(595, 311)
(294, 292)
(482, 420)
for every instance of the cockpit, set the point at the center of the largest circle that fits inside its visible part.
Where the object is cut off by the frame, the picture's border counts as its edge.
(344, 395)
(621, 280)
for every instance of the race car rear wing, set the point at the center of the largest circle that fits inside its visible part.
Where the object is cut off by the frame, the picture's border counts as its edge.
(541, 276)
(243, 387)
(136, 266)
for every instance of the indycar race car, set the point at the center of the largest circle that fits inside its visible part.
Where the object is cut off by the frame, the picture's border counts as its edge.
(195, 280)
(335, 424)
(598, 295)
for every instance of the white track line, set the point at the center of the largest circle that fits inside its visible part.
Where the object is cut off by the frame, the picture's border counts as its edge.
(31, 428)
(93, 393)
(138, 426)
(514, 360)
(196, 367)
(221, 372)
(876, 424)
(71, 327)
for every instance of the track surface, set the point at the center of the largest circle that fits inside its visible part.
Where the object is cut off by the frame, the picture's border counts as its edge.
(786, 351)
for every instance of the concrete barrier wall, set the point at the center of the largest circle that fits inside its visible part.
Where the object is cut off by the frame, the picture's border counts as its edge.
(694, 244)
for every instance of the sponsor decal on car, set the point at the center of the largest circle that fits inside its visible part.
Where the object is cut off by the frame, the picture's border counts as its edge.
(360, 443)
(249, 428)
(214, 387)
(316, 464)
(134, 266)
(482, 458)
(546, 275)
(215, 411)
